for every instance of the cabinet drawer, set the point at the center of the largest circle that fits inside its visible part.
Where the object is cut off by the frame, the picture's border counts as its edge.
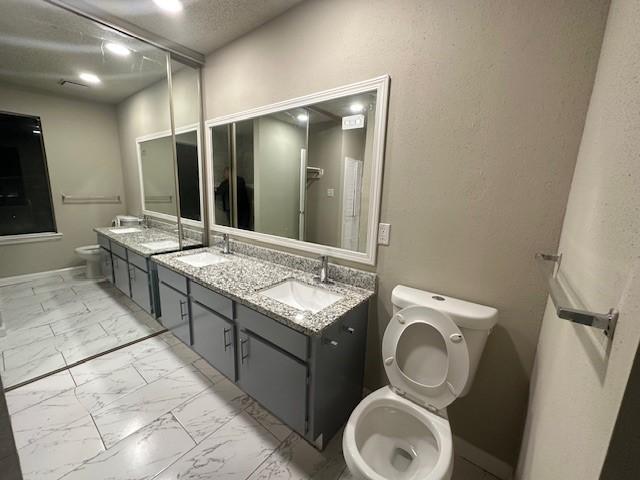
(138, 260)
(119, 250)
(216, 302)
(104, 242)
(172, 279)
(284, 337)
(276, 380)
(214, 339)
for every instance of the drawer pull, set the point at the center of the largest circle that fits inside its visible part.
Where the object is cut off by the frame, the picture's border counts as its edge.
(331, 343)
(243, 356)
(349, 330)
(182, 313)
(227, 344)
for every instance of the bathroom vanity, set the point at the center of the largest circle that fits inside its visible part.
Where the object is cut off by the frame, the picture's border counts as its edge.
(236, 311)
(125, 254)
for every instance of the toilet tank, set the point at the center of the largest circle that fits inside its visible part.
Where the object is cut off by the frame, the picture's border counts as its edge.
(474, 321)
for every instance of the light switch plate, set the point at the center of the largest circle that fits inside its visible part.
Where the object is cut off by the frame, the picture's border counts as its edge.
(384, 232)
(331, 192)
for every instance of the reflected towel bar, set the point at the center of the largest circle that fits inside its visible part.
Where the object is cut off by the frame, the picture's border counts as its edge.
(564, 309)
(90, 199)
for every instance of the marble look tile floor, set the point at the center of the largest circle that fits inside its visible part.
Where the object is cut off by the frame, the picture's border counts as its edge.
(156, 410)
(151, 410)
(56, 320)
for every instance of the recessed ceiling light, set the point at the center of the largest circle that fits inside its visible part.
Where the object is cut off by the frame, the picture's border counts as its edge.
(303, 117)
(89, 77)
(356, 107)
(118, 49)
(173, 6)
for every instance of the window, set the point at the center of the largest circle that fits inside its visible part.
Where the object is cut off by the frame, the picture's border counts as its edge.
(25, 193)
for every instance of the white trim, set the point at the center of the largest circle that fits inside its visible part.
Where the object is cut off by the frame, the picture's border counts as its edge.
(4, 281)
(195, 127)
(30, 238)
(381, 85)
(482, 459)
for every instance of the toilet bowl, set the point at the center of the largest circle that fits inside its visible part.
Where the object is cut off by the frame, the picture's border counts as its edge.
(91, 254)
(430, 350)
(391, 437)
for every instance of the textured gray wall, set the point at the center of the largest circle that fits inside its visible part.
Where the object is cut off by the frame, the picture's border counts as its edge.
(488, 101)
(83, 155)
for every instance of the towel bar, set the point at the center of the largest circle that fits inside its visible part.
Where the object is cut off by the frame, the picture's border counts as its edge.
(564, 309)
(77, 199)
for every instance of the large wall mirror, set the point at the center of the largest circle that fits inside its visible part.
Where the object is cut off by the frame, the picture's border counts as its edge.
(74, 97)
(157, 176)
(304, 173)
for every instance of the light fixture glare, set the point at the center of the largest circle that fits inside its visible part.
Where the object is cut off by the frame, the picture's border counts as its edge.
(172, 6)
(89, 77)
(118, 49)
(302, 117)
(356, 107)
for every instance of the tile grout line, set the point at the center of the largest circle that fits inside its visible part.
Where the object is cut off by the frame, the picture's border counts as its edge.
(85, 360)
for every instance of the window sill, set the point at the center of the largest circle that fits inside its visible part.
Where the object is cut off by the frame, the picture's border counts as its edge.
(29, 238)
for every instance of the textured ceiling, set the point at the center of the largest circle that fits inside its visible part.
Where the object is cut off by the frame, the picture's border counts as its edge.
(203, 25)
(40, 45)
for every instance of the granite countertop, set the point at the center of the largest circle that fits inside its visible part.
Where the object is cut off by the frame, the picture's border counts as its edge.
(133, 241)
(242, 277)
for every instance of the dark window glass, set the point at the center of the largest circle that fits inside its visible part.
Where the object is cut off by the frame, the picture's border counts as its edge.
(25, 194)
(188, 175)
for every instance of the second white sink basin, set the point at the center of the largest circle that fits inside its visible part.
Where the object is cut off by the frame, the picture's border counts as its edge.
(160, 244)
(125, 230)
(202, 259)
(301, 296)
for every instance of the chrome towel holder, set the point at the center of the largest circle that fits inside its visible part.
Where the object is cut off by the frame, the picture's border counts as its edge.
(604, 321)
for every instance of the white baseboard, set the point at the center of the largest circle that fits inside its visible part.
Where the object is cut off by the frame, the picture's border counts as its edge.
(482, 459)
(4, 281)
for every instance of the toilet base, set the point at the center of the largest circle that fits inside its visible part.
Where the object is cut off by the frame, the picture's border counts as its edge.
(93, 269)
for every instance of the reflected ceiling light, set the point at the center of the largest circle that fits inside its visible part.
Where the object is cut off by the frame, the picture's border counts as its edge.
(89, 77)
(173, 6)
(303, 117)
(118, 49)
(356, 107)
(37, 132)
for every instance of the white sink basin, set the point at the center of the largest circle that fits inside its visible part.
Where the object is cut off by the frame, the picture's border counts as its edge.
(202, 259)
(160, 244)
(125, 230)
(301, 296)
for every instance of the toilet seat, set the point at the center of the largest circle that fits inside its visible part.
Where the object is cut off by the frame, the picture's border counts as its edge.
(89, 249)
(418, 332)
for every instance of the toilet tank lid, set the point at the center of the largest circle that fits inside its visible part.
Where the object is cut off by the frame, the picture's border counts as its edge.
(465, 314)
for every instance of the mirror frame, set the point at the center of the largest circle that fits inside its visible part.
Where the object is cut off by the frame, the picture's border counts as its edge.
(368, 257)
(195, 127)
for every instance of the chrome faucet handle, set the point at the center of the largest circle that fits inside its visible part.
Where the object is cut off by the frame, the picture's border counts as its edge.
(226, 247)
(323, 276)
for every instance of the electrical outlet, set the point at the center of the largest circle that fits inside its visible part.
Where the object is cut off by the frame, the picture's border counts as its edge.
(384, 231)
(331, 192)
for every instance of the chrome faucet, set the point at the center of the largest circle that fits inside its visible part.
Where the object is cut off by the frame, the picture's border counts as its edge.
(226, 248)
(323, 277)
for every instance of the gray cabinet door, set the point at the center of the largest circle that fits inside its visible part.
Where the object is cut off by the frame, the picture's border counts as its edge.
(213, 338)
(140, 287)
(107, 267)
(121, 275)
(275, 379)
(175, 313)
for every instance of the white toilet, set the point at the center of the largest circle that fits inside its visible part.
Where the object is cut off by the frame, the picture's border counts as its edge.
(431, 350)
(91, 254)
